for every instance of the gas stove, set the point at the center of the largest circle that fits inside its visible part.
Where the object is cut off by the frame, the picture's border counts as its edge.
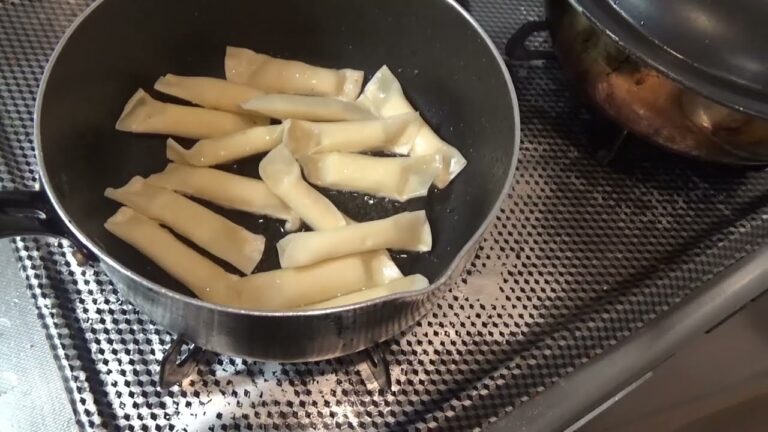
(593, 242)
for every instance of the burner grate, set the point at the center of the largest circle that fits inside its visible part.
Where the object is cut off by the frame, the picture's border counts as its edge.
(581, 255)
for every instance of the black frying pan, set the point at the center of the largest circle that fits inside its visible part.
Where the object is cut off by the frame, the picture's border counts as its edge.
(448, 67)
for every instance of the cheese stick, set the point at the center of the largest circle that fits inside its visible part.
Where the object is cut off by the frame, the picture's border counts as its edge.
(405, 231)
(291, 288)
(316, 108)
(227, 190)
(274, 75)
(384, 96)
(397, 178)
(214, 93)
(282, 174)
(405, 284)
(207, 280)
(391, 134)
(228, 148)
(143, 114)
(210, 231)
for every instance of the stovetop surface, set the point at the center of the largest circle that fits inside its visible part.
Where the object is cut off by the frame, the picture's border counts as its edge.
(581, 254)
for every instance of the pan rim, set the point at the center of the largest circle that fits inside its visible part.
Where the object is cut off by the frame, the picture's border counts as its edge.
(174, 295)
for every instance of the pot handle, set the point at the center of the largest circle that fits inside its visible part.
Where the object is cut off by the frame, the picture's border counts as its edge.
(31, 213)
(516, 49)
(28, 213)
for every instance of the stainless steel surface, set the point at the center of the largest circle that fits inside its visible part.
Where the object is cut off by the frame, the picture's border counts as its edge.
(314, 334)
(32, 396)
(587, 388)
(609, 403)
(717, 381)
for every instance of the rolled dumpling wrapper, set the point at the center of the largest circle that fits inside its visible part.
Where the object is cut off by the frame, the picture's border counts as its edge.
(225, 149)
(393, 134)
(214, 93)
(405, 284)
(384, 96)
(226, 190)
(143, 114)
(282, 174)
(398, 178)
(210, 231)
(206, 279)
(274, 75)
(315, 108)
(405, 231)
(292, 288)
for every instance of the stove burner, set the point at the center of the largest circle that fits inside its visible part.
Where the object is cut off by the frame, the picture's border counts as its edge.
(182, 358)
(374, 369)
(175, 367)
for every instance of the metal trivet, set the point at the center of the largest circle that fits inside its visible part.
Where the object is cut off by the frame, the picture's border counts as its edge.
(581, 255)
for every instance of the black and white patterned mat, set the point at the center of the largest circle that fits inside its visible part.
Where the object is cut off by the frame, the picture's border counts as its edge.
(580, 256)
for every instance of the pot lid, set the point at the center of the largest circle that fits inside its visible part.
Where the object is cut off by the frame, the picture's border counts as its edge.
(715, 47)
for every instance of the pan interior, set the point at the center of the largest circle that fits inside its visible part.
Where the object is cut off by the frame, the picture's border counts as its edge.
(448, 72)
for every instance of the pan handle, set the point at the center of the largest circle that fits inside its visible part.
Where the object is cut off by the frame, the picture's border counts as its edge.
(516, 49)
(31, 213)
(27, 213)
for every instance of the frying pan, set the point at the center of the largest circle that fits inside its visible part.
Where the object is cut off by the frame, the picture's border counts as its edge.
(448, 67)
